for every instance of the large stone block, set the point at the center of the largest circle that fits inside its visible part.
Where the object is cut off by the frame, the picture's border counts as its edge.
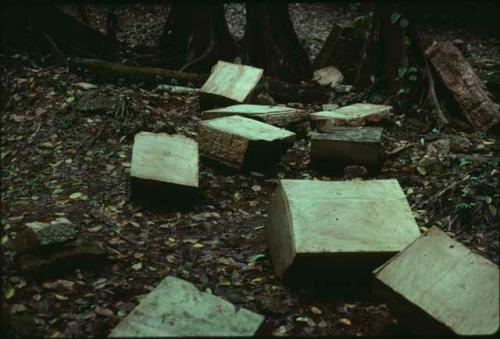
(438, 286)
(353, 115)
(345, 146)
(177, 308)
(278, 116)
(164, 167)
(40, 234)
(229, 84)
(239, 142)
(337, 229)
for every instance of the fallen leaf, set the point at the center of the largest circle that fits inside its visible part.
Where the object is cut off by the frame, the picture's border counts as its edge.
(137, 266)
(345, 321)
(104, 312)
(316, 310)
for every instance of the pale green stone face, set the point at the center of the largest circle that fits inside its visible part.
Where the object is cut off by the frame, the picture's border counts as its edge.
(355, 111)
(177, 308)
(249, 109)
(349, 217)
(248, 128)
(165, 158)
(232, 81)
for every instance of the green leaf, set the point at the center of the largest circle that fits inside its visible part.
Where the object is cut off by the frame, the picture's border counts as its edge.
(402, 71)
(412, 69)
(404, 23)
(412, 78)
(395, 16)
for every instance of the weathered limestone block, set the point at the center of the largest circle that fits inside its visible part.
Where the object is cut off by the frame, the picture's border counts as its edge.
(177, 308)
(438, 286)
(229, 84)
(239, 142)
(337, 229)
(164, 166)
(40, 234)
(53, 262)
(464, 85)
(353, 115)
(345, 146)
(284, 117)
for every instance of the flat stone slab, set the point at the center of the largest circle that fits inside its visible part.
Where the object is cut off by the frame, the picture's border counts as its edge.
(346, 146)
(320, 228)
(438, 286)
(239, 142)
(229, 84)
(273, 115)
(353, 115)
(164, 165)
(40, 234)
(177, 308)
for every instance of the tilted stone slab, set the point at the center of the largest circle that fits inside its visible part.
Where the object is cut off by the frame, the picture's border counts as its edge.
(164, 165)
(353, 115)
(40, 234)
(273, 115)
(229, 84)
(239, 142)
(438, 286)
(345, 146)
(321, 228)
(177, 308)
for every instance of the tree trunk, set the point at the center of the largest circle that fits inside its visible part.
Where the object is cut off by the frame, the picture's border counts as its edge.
(196, 36)
(270, 42)
(111, 22)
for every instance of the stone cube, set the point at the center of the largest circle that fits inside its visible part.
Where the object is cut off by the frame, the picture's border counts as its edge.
(176, 308)
(438, 286)
(338, 229)
(243, 143)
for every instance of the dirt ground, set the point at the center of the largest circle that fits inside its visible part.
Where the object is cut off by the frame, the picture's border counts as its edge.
(49, 152)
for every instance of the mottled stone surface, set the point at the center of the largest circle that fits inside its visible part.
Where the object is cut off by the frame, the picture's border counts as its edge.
(177, 308)
(353, 115)
(322, 226)
(239, 142)
(438, 286)
(41, 234)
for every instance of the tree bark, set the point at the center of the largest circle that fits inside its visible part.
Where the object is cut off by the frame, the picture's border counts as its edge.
(196, 36)
(270, 42)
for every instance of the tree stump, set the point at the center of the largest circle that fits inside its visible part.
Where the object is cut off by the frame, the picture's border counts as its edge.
(337, 229)
(229, 84)
(438, 286)
(243, 143)
(345, 146)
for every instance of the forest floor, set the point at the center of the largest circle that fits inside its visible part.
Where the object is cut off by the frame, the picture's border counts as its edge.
(50, 152)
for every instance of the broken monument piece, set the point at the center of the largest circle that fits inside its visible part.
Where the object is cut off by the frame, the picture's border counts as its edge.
(243, 143)
(355, 115)
(229, 84)
(336, 230)
(177, 308)
(164, 167)
(346, 146)
(438, 286)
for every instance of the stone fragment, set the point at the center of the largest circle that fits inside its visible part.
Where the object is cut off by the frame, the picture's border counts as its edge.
(164, 167)
(438, 286)
(274, 115)
(329, 107)
(345, 146)
(243, 143)
(464, 85)
(328, 76)
(336, 229)
(229, 84)
(177, 308)
(53, 262)
(40, 234)
(352, 115)
(97, 102)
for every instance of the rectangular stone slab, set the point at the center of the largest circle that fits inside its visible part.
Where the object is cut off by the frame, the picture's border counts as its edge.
(177, 308)
(345, 146)
(229, 84)
(438, 286)
(239, 142)
(164, 164)
(273, 115)
(353, 115)
(324, 227)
